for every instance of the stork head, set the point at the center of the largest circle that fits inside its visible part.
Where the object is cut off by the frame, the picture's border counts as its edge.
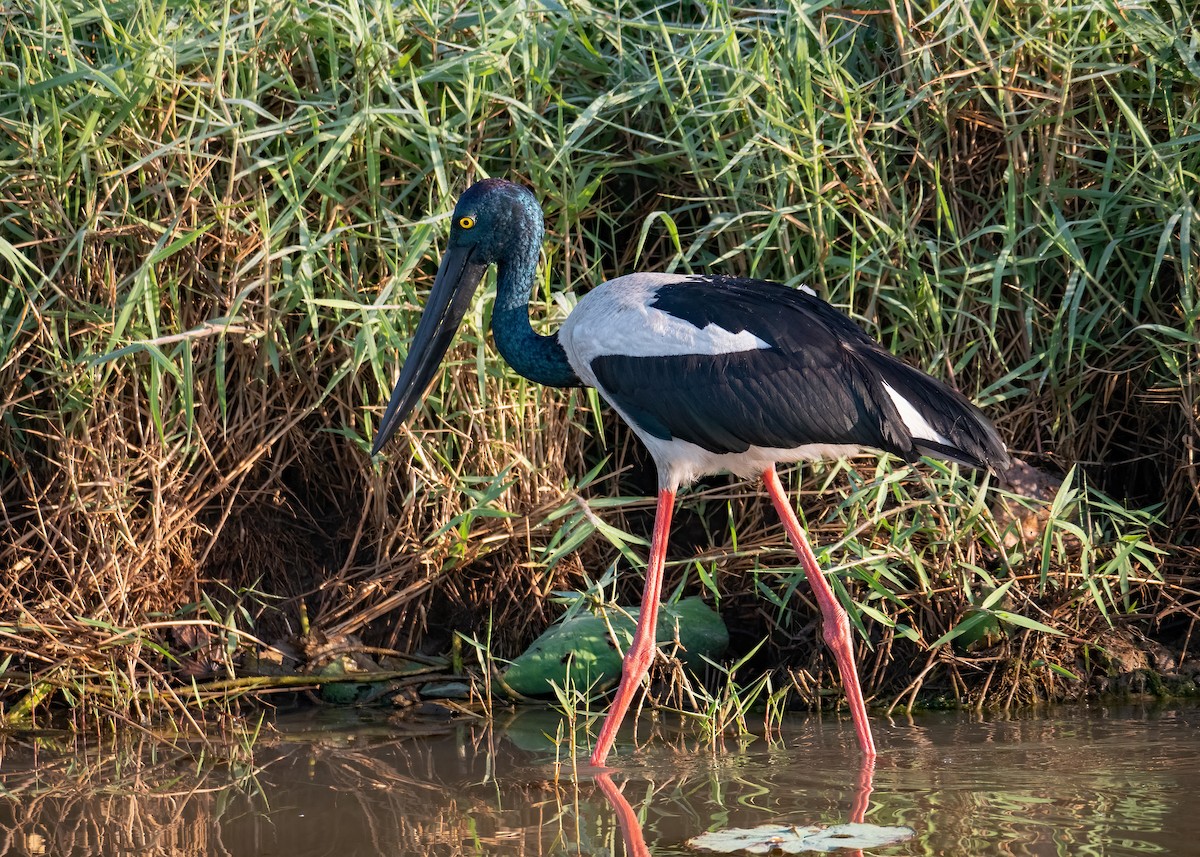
(493, 220)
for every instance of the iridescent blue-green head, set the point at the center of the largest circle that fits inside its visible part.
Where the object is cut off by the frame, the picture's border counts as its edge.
(494, 222)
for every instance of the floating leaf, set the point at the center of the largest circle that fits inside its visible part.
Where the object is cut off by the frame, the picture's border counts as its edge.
(789, 839)
(586, 650)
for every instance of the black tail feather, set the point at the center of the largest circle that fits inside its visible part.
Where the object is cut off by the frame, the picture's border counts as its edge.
(970, 437)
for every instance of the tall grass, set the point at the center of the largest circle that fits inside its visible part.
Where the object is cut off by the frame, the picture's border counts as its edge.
(217, 222)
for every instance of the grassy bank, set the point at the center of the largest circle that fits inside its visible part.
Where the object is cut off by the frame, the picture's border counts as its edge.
(217, 222)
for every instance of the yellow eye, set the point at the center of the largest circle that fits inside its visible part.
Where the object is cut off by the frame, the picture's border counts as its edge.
(466, 222)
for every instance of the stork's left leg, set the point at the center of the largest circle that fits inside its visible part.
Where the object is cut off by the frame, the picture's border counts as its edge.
(836, 630)
(641, 650)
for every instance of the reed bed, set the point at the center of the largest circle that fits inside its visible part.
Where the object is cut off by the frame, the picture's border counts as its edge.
(217, 222)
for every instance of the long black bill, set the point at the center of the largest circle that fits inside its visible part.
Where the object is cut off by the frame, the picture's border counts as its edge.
(455, 283)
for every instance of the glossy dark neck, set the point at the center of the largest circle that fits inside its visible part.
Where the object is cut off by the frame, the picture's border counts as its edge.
(539, 358)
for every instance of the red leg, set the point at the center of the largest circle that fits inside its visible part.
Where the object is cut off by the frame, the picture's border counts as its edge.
(641, 651)
(836, 630)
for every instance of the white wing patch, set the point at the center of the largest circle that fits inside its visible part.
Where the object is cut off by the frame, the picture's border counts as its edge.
(916, 424)
(676, 337)
(617, 317)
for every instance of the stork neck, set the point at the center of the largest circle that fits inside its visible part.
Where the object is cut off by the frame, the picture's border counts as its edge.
(536, 357)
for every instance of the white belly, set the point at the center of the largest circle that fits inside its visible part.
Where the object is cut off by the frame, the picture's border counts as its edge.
(681, 463)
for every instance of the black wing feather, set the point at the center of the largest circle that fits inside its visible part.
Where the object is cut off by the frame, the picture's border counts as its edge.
(819, 381)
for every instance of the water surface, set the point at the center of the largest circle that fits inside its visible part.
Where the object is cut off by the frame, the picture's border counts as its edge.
(1087, 781)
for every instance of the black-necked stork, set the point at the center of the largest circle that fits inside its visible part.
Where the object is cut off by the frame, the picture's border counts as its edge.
(713, 374)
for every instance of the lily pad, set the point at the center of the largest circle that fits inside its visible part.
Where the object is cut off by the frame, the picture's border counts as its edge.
(348, 692)
(446, 690)
(790, 839)
(587, 650)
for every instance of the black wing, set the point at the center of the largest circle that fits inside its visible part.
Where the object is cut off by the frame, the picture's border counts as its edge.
(821, 380)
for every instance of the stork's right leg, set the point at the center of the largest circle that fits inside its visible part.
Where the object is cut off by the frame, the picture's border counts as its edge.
(836, 629)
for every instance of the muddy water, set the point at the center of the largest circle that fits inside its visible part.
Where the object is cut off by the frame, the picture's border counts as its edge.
(1099, 781)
